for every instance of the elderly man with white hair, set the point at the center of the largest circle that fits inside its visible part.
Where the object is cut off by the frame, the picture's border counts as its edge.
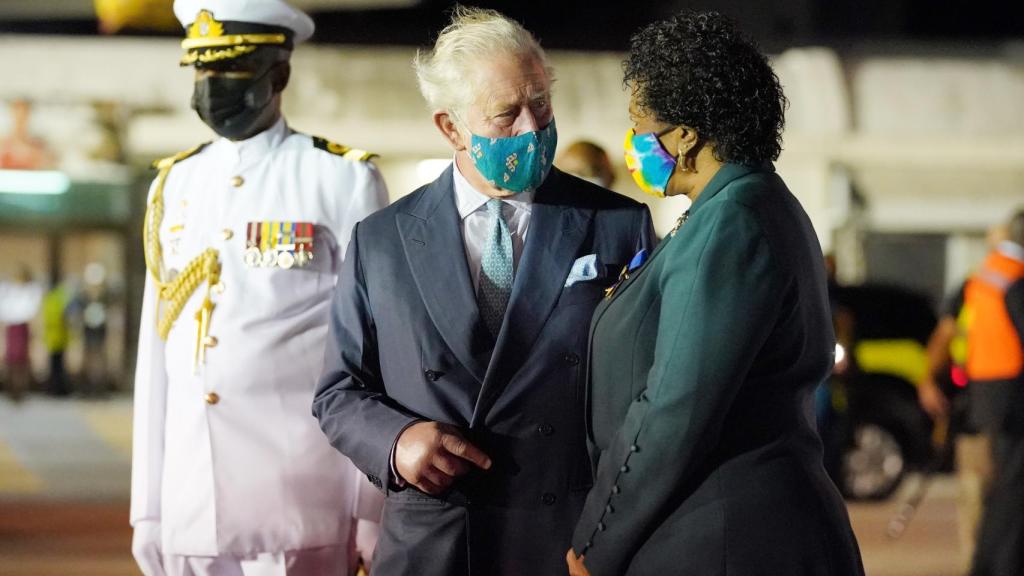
(455, 365)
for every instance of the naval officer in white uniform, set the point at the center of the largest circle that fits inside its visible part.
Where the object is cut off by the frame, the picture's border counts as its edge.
(244, 237)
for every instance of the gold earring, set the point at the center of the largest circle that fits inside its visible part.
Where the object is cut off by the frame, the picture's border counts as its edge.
(682, 163)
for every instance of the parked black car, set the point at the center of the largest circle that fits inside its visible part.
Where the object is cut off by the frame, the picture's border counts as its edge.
(873, 429)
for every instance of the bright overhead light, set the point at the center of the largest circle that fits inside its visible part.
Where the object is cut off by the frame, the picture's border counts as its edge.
(33, 182)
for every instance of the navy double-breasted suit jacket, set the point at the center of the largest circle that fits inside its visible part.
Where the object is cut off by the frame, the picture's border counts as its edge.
(406, 343)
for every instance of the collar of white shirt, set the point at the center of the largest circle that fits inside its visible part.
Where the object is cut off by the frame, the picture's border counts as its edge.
(468, 199)
(252, 149)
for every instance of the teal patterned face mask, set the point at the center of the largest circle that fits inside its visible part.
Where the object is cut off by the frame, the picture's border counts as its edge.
(515, 163)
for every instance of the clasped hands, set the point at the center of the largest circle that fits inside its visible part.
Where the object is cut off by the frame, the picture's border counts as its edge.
(432, 455)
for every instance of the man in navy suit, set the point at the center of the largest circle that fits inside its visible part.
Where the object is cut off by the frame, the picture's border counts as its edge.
(454, 373)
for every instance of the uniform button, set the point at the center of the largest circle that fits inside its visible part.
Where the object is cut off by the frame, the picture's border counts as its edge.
(571, 359)
(634, 448)
(608, 509)
(588, 545)
(212, 398)
(545, 429)
(624, 469)
(237, 181)
(219, 288)
(601, 526)
(226, 234)
(432, 375)
(548, 498)
(210, 341)
(616, 489)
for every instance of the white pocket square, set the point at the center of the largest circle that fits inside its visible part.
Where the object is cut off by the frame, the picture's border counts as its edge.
(583, 269)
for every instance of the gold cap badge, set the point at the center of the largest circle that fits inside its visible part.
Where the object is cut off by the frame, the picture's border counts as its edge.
(205, 26)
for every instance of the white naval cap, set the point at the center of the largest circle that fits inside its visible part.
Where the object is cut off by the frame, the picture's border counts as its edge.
(225, 29)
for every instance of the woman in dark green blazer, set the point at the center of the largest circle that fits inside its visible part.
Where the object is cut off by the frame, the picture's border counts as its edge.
(704, 359)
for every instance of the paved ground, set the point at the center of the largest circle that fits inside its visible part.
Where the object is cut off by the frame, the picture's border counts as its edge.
(64, 483)
(929, 546)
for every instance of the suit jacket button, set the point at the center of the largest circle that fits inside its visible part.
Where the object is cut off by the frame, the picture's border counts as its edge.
(431, 375)
(545, 429)
(571, 359)
(548, 498)
(212, 398)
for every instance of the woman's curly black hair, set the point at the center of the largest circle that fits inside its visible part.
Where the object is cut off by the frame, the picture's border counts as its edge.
(695, 69)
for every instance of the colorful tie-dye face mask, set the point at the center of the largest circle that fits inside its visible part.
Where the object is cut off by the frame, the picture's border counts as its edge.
(649, 163)
(515, 163)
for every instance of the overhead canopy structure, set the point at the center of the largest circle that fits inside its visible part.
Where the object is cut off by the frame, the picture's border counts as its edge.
(932, 143)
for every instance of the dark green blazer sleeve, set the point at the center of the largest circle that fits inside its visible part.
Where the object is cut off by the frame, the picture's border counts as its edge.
(718, 290)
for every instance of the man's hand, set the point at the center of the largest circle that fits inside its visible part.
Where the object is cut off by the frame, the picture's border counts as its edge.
(576, 567)
(431, 455)
(932, 400)
(146, 548)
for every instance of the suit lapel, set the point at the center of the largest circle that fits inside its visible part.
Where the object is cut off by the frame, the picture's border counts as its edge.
(432, 239)
(556, 231)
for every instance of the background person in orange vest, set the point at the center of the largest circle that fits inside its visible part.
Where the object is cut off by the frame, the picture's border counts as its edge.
(947, 357)
(994, 308)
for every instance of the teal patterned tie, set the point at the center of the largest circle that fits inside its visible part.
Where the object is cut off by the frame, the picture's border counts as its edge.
(495, 270)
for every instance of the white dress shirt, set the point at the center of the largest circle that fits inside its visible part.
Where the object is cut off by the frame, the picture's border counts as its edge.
(476, 225)
(472, 207)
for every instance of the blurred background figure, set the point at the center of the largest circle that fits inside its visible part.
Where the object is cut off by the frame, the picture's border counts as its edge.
(19, 303)
(994, 303)
(56, 336)
(589, 161)
(94, 308)
(20, 149)
(940, 394)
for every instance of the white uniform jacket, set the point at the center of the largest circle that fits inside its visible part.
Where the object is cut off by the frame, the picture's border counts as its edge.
(246, 469)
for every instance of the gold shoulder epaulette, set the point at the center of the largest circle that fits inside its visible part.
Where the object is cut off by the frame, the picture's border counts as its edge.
(172, 160)
(346, 152)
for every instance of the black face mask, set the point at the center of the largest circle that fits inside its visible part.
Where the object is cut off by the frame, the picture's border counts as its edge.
(234, 107)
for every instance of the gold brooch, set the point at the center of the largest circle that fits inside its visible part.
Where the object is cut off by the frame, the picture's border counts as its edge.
(679, 223)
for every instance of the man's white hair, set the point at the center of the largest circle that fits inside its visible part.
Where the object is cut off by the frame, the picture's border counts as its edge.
(445, 73)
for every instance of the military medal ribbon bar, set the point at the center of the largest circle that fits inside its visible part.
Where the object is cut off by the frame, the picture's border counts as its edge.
(280, 244)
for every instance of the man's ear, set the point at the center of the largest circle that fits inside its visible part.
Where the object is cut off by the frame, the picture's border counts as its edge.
(445, 122)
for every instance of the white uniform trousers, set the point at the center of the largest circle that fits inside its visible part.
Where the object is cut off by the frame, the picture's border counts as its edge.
(324, 561)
